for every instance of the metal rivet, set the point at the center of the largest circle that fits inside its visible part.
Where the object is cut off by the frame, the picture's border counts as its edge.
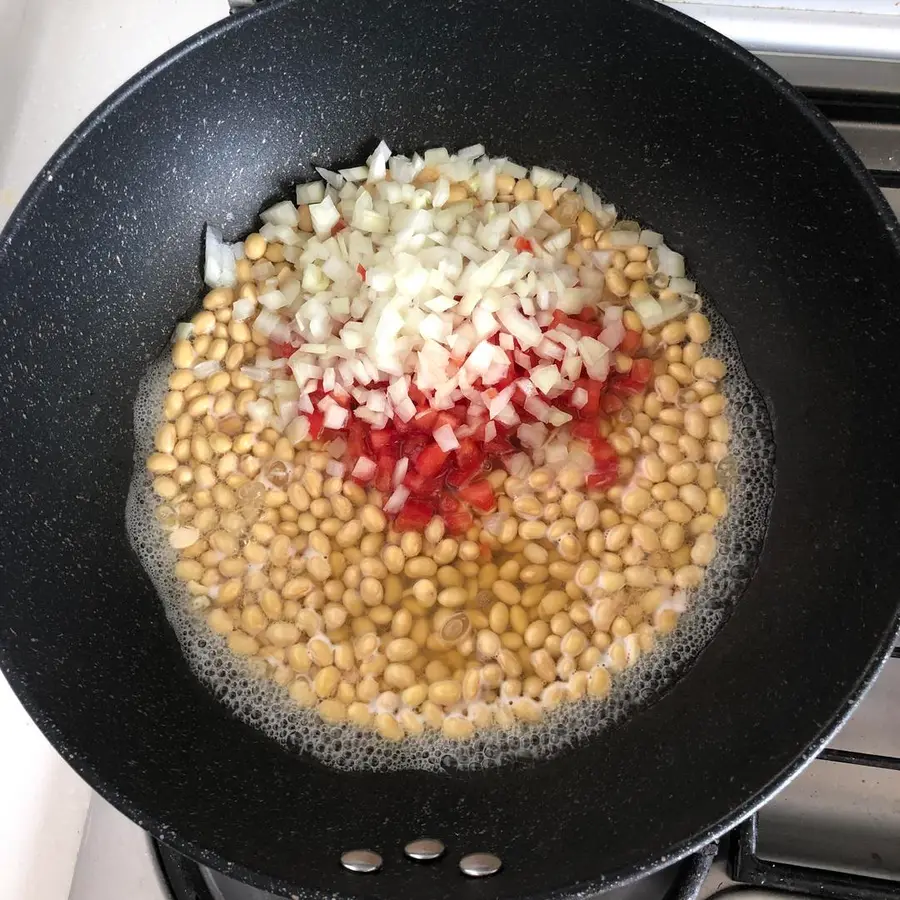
(480, 865)
(424, 849)
(361, 861)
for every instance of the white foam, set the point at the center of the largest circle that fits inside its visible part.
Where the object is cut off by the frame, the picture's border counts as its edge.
(265, 705)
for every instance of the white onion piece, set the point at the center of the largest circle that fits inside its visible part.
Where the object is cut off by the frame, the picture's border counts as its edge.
(256, 373)
(682, 285)
(545, 178)
(297, 430)
(332, 178)
(364, 469)
(219, 269)
(446, 438)
(395, 502)
(242, 309)
(670, 262)
(206, 368)
(325, 216)
(260, 410)
(312, 192)
(335, 469)
(648, 309)
(281, 214)
(400, 471)
(336, 417)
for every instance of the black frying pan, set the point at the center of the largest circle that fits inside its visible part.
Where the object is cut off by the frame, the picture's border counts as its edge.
(680, 128)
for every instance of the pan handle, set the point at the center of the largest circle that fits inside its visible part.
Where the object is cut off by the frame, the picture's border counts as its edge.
(236, 6)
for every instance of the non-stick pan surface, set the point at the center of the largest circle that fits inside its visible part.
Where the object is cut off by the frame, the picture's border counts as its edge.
(681, 129)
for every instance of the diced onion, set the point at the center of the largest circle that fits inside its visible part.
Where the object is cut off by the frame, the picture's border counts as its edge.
(395, 502)
(445, 438)
(364, 469)
(219, 269)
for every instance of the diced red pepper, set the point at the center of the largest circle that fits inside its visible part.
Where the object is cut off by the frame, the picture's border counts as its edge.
(585, 429)
(499, 446)
(361, 271)
(423, 485)
(479, 494)
(339, 227)
(381, 438)
(459, 477)
(523, 245)
(635, 381)
(586, 328)
(430, 460)
(610, 404)
(642, 370)
(316, 421)
(417, 397)
(356, 440)
(468, 454)
(425, 419)
(447, 503)
(588, 314)
(458, 522)
(384, 472)
(605, 476)
(281, 350)
(594, 391)
(414, 516)
(631, 342)
(602, 450)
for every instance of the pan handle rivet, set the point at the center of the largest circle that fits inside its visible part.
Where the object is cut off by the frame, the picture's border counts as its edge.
(424, 849)
(362, 862)
(480, 865)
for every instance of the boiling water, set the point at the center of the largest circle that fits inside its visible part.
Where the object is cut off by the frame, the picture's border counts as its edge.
(265, 705)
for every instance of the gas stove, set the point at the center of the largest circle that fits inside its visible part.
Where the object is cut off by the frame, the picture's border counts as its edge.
(834, 831)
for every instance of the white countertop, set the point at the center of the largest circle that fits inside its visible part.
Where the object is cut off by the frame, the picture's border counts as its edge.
(58, 60)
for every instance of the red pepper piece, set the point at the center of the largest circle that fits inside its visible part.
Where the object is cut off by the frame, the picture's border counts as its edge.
(425, 419)
(414, 516)
(468, 454)
(384, 472)
(594, 391)
(458, 522)
(281, 350)
(586, 328)
(316, 421)
(523, 245)
(585, 429)
(631, 342)
(610, 404)
(381, 438)
(458, 477)
(605, 476)
(356, 440)
(479, 494)
(361, 271)
(602, 450)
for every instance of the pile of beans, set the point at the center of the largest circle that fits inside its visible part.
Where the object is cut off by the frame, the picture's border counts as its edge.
(538, 604)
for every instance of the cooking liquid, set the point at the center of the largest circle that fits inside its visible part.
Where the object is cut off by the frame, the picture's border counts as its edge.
(747, 476)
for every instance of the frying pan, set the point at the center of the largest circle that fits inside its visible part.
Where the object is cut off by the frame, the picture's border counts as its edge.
(682, 130)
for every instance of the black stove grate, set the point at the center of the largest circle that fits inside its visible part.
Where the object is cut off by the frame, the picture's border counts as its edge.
(749, 868)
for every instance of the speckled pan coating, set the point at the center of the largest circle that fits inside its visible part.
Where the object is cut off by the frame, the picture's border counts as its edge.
(688, 133)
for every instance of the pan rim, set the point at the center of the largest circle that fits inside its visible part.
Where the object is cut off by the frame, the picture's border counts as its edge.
(628, 874)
